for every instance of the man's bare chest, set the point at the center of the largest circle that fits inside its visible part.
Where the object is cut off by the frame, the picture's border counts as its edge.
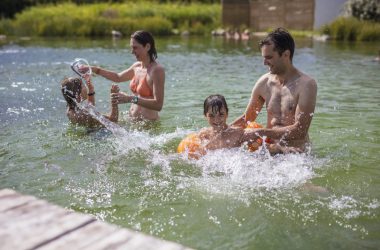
(281, 99)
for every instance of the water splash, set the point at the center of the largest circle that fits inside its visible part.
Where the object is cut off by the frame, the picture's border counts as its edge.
(222, 171)
(238, 168)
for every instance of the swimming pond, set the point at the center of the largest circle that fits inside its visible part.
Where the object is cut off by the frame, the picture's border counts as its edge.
(230, 199)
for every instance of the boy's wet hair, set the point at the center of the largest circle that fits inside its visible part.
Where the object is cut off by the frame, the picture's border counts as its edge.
(216, 102)
(282, 41)
(143, 38)
(71, 89)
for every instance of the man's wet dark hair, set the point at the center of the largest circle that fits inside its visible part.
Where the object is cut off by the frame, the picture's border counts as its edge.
(216, 102)
(282, 41)
(143, 38)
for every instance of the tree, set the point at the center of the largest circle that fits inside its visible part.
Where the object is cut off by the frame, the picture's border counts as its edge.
(363, 9)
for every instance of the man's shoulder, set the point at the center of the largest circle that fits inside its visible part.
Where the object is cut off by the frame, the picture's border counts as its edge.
(265, 78)
(307, 85)
(306, 79)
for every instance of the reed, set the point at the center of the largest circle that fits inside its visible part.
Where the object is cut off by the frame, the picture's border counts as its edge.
(352, 29)
(100, 19)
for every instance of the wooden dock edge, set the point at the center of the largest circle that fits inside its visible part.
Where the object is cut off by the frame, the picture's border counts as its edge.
(27, 222)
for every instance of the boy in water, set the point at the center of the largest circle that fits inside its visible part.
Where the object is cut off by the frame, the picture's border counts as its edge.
(74, 93)
(221, 135)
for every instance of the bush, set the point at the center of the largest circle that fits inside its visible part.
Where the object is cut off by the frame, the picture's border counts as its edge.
(370, 33)
(352, 29)
(99, 19)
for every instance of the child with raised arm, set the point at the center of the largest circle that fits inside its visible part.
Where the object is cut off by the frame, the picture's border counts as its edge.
(74, 92)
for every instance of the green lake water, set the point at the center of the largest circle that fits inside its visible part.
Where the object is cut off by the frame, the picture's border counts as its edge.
(229, 199)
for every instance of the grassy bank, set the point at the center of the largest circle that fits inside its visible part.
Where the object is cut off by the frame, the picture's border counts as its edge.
(101, 19)
(351, 29)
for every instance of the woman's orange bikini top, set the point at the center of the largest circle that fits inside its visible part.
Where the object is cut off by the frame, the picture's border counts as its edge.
(141, 87)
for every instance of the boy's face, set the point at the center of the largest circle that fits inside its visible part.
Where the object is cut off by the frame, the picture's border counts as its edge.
(217, 120)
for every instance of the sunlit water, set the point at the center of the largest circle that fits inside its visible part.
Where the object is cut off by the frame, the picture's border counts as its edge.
(129, 174)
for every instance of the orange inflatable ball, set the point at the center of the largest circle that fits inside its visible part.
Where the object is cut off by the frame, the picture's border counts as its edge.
(253, 146)
(254, 125)
(190, 144)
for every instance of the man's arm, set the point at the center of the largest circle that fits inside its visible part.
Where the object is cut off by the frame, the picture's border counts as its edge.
(254, 106)
(303, 116)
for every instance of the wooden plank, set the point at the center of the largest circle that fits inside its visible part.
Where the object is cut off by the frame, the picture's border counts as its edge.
(30, 223)
(37, 222)
(112, 241)
(7, 191)
(10, 199)
(84, 236)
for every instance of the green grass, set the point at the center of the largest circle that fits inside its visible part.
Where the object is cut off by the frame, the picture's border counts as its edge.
(100, 19)
(352, 29)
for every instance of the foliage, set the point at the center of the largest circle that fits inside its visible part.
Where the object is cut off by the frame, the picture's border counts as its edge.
(352, 29)
(100, 19)
(363, 9)
(8, 8)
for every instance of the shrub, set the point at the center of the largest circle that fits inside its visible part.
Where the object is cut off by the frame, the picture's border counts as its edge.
(370, 33)
(352, 29)
(99, 19)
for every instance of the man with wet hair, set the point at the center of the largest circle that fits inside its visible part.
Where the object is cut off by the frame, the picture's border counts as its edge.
(288, 94)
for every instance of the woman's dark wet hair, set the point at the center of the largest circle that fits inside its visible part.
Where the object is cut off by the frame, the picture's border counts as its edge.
(144, 37)
(216, 102)
(282, 41)
(71, 89)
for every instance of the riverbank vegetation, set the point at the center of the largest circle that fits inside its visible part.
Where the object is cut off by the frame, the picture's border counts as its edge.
(352, 29)
(360, 22)
(69, 19)
(98, 18)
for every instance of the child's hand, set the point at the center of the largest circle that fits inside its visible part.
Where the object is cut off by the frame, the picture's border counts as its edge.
(115, 88)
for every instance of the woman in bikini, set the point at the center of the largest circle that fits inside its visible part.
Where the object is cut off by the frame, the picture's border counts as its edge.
(147, 79)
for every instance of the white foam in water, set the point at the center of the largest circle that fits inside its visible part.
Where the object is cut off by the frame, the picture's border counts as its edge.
(257, 169)
(351, 207)
(236, 166)
(17, 110)
(127, 140)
